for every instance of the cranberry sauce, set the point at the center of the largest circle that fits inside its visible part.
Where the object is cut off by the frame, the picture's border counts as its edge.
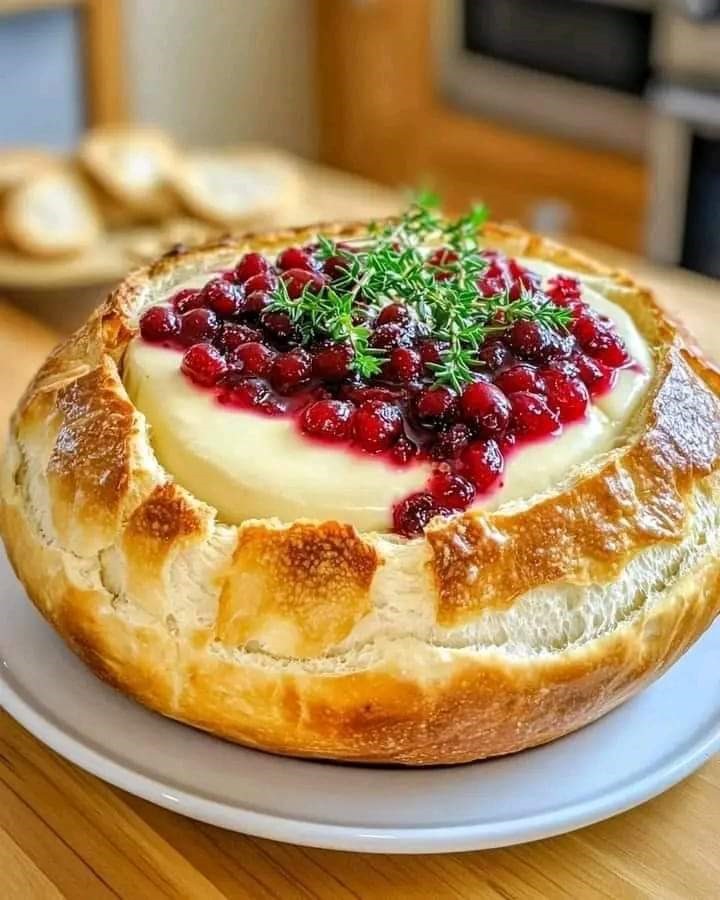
(526, 380)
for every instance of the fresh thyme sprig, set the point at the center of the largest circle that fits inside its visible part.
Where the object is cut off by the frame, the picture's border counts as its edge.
(390, 266)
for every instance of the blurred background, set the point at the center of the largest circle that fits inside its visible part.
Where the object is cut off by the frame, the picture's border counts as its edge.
(592, 120)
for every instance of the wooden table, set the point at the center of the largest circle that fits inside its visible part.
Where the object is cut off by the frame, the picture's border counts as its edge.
(64, 833)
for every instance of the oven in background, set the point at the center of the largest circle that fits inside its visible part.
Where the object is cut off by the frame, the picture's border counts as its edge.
(637, 77)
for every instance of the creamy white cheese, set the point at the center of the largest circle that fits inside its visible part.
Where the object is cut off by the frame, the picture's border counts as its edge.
(248, 465)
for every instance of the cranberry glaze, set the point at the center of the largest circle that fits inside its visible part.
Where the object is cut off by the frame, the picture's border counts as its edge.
(526, 377)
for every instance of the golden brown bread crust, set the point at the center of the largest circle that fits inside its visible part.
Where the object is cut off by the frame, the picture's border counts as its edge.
(311, 639)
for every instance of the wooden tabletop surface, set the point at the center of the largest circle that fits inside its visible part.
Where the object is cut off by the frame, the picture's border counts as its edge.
(64, 833)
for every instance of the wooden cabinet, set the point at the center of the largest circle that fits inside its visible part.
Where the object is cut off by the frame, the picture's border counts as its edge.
(60, 70)
(382, 115)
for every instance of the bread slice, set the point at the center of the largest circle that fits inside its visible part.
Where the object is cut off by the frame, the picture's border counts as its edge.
(132, 169)
(52, 214)
(235, 187)
(16, 165)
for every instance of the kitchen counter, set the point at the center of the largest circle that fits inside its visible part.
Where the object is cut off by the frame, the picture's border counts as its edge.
(64, 833)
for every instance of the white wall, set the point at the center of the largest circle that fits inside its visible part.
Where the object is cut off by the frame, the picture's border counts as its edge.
(219, 71)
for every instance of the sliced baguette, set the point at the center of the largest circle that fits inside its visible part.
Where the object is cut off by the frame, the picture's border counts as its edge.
(19, 164)
(131, 169)
(52, 215)
(235, 187)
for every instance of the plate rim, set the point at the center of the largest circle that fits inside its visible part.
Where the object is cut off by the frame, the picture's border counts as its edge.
(334, 836)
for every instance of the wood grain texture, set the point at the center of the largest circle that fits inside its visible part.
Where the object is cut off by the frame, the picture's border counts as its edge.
(64, 833)
(105, 87)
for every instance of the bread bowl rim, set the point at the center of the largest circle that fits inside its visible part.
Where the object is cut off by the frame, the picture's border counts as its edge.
(404, 720)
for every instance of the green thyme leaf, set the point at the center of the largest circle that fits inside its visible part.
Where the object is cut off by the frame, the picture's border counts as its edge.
(390, 266)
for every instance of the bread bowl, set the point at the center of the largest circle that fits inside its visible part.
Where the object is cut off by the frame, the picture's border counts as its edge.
(491, 630)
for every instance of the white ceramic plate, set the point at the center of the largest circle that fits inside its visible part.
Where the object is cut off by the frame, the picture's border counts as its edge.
(634, 753)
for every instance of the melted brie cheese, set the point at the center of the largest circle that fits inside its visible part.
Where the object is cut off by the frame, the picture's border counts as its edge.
(248, 465)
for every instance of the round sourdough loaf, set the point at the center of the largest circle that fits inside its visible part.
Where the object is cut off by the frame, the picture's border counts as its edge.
(490, 633)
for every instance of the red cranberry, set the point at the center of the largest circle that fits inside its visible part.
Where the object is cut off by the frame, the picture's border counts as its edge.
(393, 312)
(234, 335)
(329, 419)
(443, 259)
(483, 463)
(247, 392)
(199, 325)
(263, 281)
(336, 267)
(451, 443)
(529, 339)
(295, 258)
(279, 327)
(412, 514)
(431, 352)
(253, 358)
(568, 397)
(361, 312)
(404, 450)
(608, 348)
(585, 326)
(575, 307)
(291, 370)
(359, 394)
(560, 346)
(596, 376)
(484, 407)
(531, 415)
(520, 378)
(331, 362)
(566, 367)
(297, 281)
(390, 335)
(495, 354)
(159, 323)
(563, 289)
(405, 364)
(257, 301)
(204, 364)
(508, 442)
(377, 425)
(452, 490)
(435, 406)
(521, 280)
(491, 284)
(251, 264)
(187, 299)
(222, 297)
